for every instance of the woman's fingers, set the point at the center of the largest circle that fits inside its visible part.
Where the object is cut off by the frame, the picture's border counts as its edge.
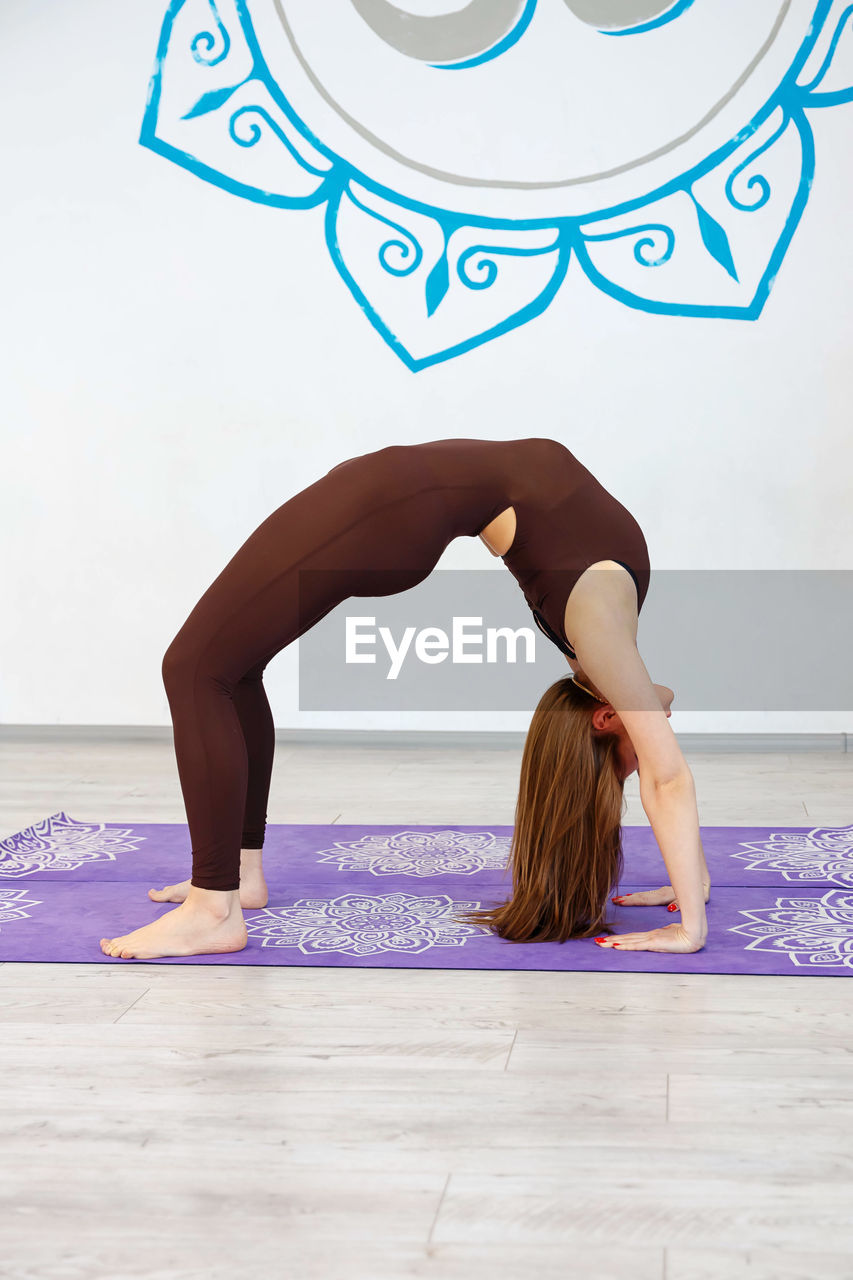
(624, 939)
(646, 897)
(669, 938)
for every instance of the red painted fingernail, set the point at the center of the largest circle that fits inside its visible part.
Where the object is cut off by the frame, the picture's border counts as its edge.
(601, 939)
(616, 944)
(673, 906)
(616, 900)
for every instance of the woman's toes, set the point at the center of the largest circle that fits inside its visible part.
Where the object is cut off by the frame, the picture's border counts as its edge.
(170, 892)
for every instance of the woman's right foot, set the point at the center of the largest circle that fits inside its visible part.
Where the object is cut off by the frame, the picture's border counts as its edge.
(253, 886)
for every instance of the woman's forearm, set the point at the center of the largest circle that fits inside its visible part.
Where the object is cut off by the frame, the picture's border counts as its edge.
(706, 875)
(671, 810)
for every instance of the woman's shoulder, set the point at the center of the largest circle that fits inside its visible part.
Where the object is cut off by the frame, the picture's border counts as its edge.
(604, 596)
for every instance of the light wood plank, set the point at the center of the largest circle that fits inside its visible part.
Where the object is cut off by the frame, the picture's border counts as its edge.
(620, 1202)
(183, 1250)
(756, 1264)
(794, 1097)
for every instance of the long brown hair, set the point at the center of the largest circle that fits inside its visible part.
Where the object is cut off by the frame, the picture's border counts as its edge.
(566, 847)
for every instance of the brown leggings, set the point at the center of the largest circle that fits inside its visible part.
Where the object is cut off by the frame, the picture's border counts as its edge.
(374, 525)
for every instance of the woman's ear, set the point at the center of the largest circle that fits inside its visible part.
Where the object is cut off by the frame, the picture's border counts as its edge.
(603, 717)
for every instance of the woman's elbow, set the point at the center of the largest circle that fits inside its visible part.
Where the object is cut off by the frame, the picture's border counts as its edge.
(675, 780)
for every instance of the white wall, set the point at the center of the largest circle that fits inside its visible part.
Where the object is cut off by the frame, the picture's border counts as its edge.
(175, 362)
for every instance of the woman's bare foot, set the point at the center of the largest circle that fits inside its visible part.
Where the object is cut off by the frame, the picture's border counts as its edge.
(207, 922)
(253, 886)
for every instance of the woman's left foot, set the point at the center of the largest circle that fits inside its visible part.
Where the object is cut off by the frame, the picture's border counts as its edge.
(189, 930)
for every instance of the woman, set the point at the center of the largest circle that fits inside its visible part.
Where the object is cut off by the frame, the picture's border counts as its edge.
(376, 525)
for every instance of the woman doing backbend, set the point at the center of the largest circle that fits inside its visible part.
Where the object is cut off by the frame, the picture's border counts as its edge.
(376, 525)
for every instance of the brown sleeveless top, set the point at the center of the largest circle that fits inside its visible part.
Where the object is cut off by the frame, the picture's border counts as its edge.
(565, 519)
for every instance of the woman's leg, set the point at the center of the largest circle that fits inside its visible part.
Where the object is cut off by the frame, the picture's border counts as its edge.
(258, 728)
(223, 727)
(261, 601)
(212, 761)
(256, 721)
(342, 536)
(258, 725)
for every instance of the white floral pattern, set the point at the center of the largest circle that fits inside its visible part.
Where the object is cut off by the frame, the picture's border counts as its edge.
(359, 924)
(815, 932)
(14, 904)
(59, 843)
(421, 853)
(824, 854)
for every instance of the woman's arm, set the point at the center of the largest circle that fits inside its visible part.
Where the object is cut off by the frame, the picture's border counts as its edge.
(672, 812)
(601, 618)
(665, 895)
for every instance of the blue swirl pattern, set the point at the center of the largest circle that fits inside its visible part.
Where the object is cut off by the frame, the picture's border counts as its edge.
(645, 242)
(205, 42)
(404, 246)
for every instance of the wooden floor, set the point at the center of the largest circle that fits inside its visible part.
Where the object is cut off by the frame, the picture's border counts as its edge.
(345, 1124)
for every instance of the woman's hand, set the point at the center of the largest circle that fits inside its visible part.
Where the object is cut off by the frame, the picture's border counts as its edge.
(672, 937)
(656, 897)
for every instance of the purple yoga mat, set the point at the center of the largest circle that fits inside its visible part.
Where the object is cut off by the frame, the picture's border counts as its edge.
(386, 897)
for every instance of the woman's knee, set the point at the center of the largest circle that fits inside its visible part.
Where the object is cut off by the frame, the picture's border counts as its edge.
(188, 664)
(254, 674)
(179, 661)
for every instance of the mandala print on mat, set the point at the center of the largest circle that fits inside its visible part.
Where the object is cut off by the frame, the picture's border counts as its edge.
(61, 844)
(14, 904)
(824, 854)
(360, 924)
(815, 932)
(421, 853)
(666, 152)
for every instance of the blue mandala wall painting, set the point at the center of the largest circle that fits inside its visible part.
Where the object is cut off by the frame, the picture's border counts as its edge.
(666, 149)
